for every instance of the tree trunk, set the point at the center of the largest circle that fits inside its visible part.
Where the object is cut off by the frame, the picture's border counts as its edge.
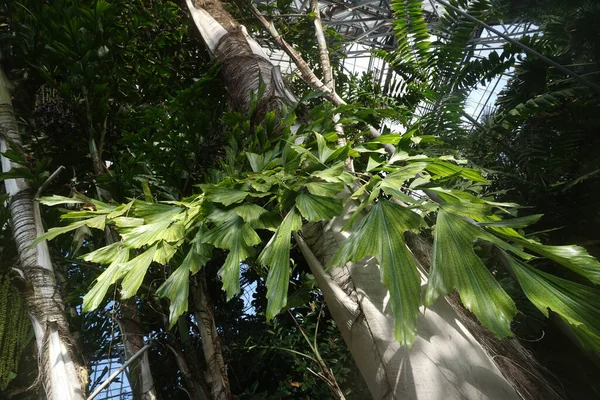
(446, 360)
(216, 371)
(140, 377)
(63, 376)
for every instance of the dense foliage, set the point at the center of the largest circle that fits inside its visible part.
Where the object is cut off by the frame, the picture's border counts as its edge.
(123, 95)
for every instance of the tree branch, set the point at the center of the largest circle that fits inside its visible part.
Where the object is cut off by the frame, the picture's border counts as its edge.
(322, 45)
(307, 74)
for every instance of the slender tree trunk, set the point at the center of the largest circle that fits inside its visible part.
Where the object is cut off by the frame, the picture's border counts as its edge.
(140, 376)
(63, 376)
(446, 360)
(216, 371)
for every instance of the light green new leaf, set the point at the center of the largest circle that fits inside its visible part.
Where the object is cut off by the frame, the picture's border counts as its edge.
(55, 200)
(381, 234)
(225, 196)
(146, 235)
(276, 255)
(577, 304)
(135, 271)
(176, 289)
(95, 222)
(239, 238)
(164, 252)
(575, 258)
(318, 208)
(119, 255)
(104, 255)
(127, 222)
(456, 266)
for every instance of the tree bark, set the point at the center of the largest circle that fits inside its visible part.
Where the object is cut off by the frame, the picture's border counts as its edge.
(446, 360)
(216, 371)
(63, 376)
(140, 376)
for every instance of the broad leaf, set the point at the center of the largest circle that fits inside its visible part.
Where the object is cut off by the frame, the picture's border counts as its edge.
(164, 252)
(239, 238)
(330, 189)
(250, 212)
(577, 304)
(176, 289)
(575, 258)
(119, 256)
(104, 255)
(135, 271)
(334, 174)
(381, 234)
(318, 208)
(146, 235)
(225, 196)
(95, 222)
(396, 179)
(276, 255)
(456, 266)
(514, 223)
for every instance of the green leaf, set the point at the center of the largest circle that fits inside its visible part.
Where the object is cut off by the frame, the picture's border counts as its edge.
(444, 169)
(164, 252)
(119, 255)
(146, 235)
(456, 266)
(155, 212)
(250, 212)
(329, 189)
(575, 258)
(95, 222)
(55, 200)
(514, 223)
(318, 208)
(225, 196)
(577, 304)
(16, 173)
(135, 271)
(381, 234)
(396, 179)
(276, 255)
(334, 174)
(104, 255)
(176, 289)
(239, 238)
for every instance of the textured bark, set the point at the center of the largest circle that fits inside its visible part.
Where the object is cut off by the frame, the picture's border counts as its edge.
(63, 376)
(216, 371)
(446, 360)
(140, 376)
